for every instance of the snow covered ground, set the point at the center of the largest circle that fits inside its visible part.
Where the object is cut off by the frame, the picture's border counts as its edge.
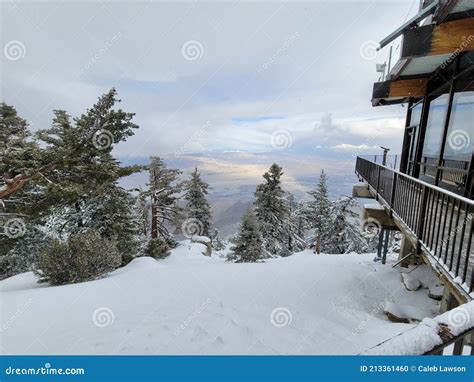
(192, 304)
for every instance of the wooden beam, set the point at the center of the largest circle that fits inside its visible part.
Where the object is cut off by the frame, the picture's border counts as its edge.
(408, 88)
(453, 37)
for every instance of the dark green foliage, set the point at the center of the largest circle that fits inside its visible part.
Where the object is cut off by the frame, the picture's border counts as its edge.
(81, 151)
(248, 246)
(19, 157)
(157, 248)
(85, 256)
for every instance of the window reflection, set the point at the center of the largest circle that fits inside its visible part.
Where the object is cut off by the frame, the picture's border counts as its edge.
(460, 138)
(434, 127)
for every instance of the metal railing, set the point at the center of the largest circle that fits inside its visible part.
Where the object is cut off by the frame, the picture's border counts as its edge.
(441, 221)
(392, 160)
(450, 171)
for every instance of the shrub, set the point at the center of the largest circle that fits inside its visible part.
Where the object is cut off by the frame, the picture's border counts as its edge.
(85, 256)
(157, 248)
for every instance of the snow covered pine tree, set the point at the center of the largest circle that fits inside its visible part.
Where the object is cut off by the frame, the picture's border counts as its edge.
(248, 246)
(271, 211)
(197, 206)
(163, 190)
(318, 214)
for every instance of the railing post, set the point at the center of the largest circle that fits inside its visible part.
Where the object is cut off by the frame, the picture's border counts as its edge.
(379, 168)
(421, 221)
(392, 196)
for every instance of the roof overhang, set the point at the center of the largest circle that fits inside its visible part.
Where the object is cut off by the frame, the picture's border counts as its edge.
(400, 91)
(432, 40)
(425, 51)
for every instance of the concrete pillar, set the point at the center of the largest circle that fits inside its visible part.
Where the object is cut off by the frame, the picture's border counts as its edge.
(406, 247)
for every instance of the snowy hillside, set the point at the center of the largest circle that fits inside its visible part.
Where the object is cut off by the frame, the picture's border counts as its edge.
(191, 304)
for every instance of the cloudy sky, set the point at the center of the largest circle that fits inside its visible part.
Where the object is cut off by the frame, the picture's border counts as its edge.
(230, 85)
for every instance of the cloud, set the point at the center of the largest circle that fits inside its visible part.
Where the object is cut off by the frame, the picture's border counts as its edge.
(347, 147)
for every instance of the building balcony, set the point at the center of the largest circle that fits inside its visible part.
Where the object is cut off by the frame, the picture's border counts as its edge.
(439, 223)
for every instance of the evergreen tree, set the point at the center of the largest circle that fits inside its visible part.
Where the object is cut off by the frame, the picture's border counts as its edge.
(81, 152)
(318, 212)
(345, 229)
(163, 191)
(19, 163)
(248, 246)
(294, 226)
(197, 206)
(271, 210)
(82, 191)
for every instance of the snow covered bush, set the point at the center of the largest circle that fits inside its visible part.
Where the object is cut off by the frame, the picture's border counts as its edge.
(157, 248)
(85, 256)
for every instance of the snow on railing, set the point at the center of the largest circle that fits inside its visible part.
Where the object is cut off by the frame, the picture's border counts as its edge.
(431, 335)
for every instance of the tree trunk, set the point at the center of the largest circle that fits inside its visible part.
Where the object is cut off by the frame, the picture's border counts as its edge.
(154, 225)
(80, 223)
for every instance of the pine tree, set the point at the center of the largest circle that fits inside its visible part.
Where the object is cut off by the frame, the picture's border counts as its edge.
(197, 206)
(318, 212)
(163, 191)
(81, 152)
(19, 155)
(294, 226)
(248, 246)
(19, 163)
(271, 210)
(345, 229)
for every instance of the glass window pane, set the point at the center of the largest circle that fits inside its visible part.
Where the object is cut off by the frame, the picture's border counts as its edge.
(416, 114)
(460, 138)
(434, 127)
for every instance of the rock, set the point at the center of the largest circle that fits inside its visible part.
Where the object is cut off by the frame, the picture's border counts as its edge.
(204, 240)
(403, 313)
(411, 283)
(436, 292)
(395, 318)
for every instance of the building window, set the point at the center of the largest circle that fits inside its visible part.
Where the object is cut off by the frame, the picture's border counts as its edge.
(460, 137)
(435, 127)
